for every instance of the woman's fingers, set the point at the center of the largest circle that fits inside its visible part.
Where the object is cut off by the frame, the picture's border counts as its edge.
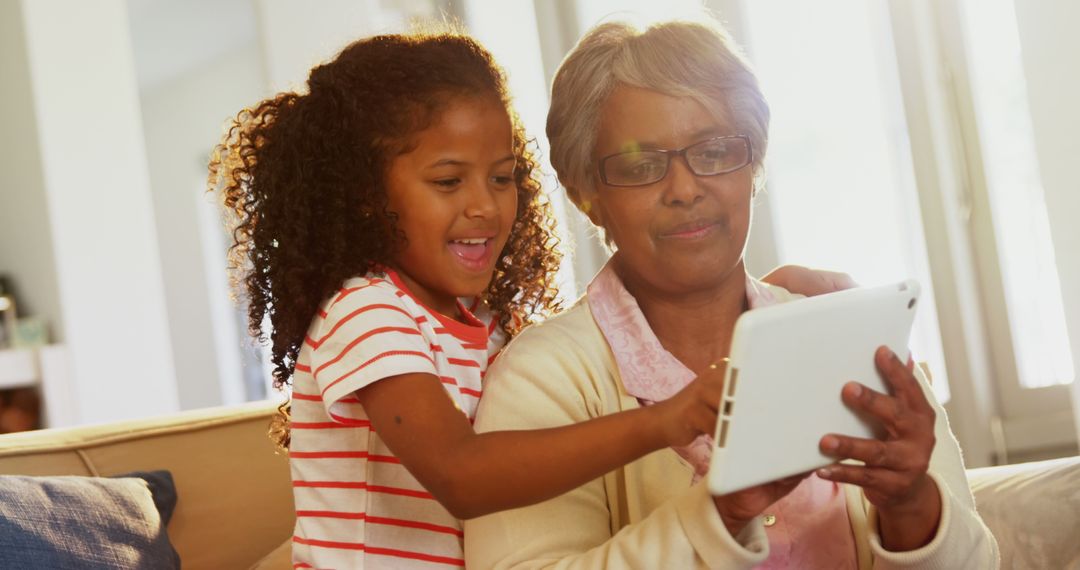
(873, 452)
(897, 462)
(904, 411)
(900, 378)
(874, 480)
(885, 408)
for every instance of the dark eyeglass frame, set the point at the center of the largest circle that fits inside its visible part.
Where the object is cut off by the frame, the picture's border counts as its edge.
(680, 152)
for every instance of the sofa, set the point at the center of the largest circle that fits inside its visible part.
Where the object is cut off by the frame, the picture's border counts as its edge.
(234, 494)
(234, 507)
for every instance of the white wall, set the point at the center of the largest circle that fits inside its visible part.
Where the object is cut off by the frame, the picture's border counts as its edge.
(194, 78)
(183, 119)
(101, 217)
(26, 250)
(522, 58)
(1051, 52)
(298, 35)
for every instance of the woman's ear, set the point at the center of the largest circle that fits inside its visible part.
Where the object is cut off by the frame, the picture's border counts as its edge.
(588, 206)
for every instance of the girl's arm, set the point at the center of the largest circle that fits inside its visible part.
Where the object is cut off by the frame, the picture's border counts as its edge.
(475, 474)
(809, 282)
(650, 518)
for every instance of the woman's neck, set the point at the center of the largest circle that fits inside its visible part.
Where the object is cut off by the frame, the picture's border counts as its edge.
(695, 326)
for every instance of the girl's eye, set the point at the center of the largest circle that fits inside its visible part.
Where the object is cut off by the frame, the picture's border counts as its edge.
(447, 183)
(505, 180)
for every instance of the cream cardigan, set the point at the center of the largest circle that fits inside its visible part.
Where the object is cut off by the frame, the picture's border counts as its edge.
(645, 515)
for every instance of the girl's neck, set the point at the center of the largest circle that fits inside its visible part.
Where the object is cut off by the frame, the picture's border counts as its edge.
(444, 304)
(695, 327)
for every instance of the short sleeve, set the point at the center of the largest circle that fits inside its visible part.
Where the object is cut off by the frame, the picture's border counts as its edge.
(368, 334)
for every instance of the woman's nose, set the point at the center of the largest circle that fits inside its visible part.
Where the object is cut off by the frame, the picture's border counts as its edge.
(681, 185)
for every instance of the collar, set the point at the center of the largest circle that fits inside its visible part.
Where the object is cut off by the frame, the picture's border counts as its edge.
(470, 329)
(649, 372)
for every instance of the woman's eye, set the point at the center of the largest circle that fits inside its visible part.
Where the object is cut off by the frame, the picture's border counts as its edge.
(643, 168)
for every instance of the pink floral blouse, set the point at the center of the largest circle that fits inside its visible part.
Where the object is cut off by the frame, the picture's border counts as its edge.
(809, 528)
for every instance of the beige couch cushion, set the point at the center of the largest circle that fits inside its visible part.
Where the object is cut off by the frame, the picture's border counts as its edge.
(234, 493)
(1033, 509)
(279, 559)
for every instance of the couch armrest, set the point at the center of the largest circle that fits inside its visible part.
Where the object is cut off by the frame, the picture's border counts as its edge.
(234, 492)
(1033, 509)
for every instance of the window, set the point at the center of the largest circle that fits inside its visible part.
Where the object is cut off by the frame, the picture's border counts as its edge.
(640, 12)
(839, 169)
(1026, 254)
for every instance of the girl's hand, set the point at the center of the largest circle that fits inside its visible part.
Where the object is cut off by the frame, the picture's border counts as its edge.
(894, 477)
(809, 282)
(739, 508)
(691, 412)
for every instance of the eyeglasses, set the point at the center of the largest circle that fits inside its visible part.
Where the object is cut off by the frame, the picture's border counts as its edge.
(711, 157)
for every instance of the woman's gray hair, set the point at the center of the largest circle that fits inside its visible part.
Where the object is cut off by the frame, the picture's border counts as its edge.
(682, 59)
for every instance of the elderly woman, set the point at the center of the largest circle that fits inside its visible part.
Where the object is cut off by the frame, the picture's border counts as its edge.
(659, 139)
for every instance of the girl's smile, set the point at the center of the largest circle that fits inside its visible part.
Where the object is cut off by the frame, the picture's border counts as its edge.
(475, 254)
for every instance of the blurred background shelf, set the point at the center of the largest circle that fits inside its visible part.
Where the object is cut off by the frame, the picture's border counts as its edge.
(47, 370)
(18, 368)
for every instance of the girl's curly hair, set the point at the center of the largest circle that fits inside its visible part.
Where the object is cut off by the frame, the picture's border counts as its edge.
(302, 178)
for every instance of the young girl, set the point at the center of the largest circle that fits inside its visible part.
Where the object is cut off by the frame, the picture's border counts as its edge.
(389, 225)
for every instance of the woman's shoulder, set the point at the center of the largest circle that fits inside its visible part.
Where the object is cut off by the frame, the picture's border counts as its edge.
(571, 337)
(554, 371)
(572, 326)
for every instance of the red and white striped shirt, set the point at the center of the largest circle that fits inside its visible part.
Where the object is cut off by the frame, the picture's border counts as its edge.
(356, 505)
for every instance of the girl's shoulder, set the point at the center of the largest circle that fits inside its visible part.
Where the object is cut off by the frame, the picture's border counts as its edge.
(380, 281)
(364, 290)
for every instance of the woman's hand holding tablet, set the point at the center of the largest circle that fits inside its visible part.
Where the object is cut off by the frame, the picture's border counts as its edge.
(894, 475)
(816, 381)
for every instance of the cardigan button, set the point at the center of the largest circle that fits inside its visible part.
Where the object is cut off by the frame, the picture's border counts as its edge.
(770, 520)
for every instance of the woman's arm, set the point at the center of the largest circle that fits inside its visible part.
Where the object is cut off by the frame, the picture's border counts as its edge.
(475, 474)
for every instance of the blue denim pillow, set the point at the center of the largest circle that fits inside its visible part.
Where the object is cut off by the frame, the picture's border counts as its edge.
(83, 523)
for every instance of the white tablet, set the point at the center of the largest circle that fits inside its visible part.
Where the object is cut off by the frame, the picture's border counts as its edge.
(787, 365)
